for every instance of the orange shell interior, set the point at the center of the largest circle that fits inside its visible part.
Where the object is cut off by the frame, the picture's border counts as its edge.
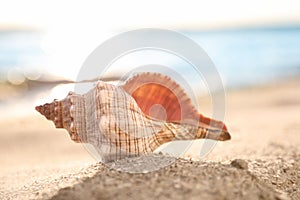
(150, 89)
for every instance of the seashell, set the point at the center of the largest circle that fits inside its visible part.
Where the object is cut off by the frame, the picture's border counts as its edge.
(118, 121)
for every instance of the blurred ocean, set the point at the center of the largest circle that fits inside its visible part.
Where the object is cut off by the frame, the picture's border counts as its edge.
(243, 56)
(252, 56)
(20, 52)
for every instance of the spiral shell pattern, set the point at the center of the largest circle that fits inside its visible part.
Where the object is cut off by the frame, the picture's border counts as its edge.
(117, 123)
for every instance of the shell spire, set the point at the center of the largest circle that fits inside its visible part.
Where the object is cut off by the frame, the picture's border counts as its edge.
(59, 112)
(52, 111)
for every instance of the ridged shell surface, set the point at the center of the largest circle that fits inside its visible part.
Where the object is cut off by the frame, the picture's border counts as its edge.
(117, 123)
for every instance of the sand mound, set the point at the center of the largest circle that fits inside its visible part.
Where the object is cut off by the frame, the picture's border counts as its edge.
(240, 179)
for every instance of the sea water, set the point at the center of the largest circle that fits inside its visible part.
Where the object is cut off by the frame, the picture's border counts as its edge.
(242, 56)
(252, 56)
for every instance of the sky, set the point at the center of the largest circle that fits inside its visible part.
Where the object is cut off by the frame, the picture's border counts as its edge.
(72, 29)
(115, 15)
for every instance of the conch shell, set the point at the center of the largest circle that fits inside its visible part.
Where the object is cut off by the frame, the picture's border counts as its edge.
(118, 121)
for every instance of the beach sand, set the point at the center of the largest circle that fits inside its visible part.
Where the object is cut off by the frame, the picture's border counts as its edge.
(261, 161)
